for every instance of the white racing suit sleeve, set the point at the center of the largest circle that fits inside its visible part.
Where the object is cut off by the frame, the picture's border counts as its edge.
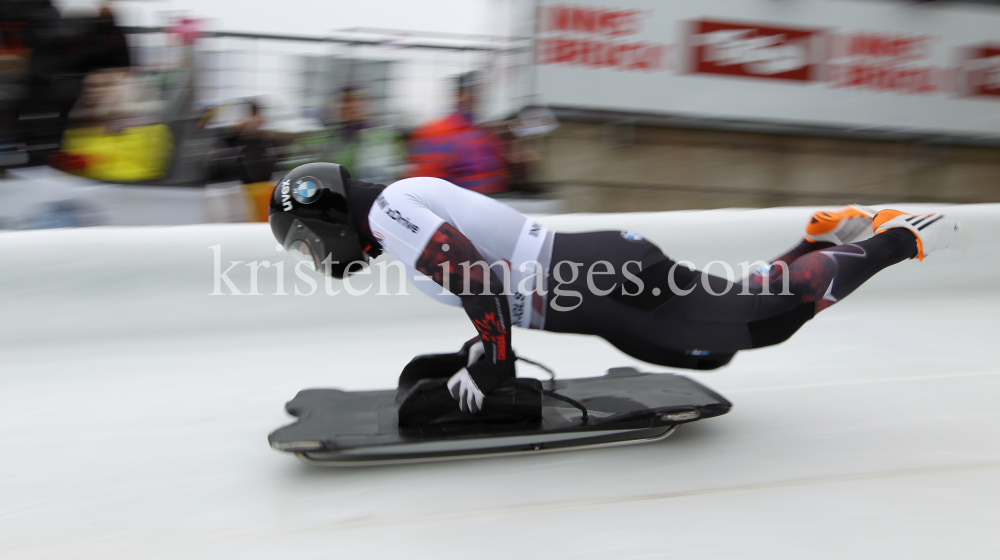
(403, 227)
(409, 230)
(408, 212)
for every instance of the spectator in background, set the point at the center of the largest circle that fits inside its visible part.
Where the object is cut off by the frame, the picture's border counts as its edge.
(456, 149)
(13, 75)
(115, 130)
(62, 53)
(251, 125)
(106, 44)
(376, 154)
(55, 74)
(256, 146)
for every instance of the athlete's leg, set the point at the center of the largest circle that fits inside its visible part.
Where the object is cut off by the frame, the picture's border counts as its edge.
(621, 307)
(824, 277)
(699, 321)
(825, 229)
(829, 275)
(820, 279)
(674, 316)
(716, 318)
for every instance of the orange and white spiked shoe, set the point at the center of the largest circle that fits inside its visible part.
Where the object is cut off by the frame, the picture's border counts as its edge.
(934, 232)
(847, 225)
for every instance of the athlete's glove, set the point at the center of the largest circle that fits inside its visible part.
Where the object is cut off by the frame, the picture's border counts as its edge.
(464, 390)
(462, 386)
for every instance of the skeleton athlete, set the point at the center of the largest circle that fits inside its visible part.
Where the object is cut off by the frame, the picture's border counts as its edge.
(505, 270)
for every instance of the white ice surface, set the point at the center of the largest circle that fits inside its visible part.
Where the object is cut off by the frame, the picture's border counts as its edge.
(134, 409)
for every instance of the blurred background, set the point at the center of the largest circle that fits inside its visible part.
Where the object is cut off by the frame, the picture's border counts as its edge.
(179, 112)
(134, 404)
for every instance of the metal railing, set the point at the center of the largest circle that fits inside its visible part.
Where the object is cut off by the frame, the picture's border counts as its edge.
(409, 77)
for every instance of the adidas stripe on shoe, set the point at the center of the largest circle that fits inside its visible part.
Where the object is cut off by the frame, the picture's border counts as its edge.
(934, 232)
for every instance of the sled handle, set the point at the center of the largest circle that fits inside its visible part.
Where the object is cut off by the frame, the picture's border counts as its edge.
(551, 373)
(566, 399)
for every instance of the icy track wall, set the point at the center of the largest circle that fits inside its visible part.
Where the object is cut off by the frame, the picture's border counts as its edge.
(64, 288)
(134, 409)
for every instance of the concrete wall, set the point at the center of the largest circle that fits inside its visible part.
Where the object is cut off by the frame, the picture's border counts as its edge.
(599, 167)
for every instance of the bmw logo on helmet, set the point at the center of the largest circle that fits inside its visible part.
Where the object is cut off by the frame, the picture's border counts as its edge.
(306, 190)
(631, 236)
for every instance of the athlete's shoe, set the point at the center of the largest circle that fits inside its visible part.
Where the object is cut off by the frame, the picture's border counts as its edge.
(847, 225)
(934, 232)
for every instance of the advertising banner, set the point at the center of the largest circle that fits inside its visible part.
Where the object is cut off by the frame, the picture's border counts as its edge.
(851, 64)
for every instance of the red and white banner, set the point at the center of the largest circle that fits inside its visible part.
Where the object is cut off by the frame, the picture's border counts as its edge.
(845, 63)
(981, 70)
(733, 49)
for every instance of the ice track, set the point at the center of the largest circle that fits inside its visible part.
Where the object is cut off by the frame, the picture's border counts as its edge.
(134, 410)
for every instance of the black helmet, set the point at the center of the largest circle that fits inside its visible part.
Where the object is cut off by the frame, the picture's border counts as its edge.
(309, 217)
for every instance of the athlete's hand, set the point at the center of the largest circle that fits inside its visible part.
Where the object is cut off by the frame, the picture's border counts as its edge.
(466, 392)
(463, 388)
(475, 349)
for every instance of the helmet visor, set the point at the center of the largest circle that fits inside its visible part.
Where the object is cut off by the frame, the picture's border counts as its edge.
(305, 245)
(301, 251)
